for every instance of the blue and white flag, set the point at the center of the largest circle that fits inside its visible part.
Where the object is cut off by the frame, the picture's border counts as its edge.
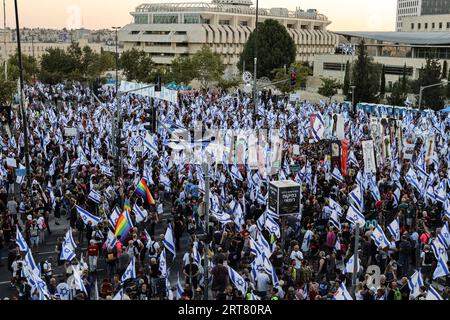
(355, 216)
(337, 245)
(140, 214)
(441, 191)
(441, 268)
(349, 266)
(433, 295)
(163, 264)
(272, 226)
(87, 217)
(29, 266)
(439, 249)
(180, 289)
(130, 272)
(374, 191)
(94, 196)
(379, 237)
(334, 220)
(411, 178)
(20, 241)
(336, 174)
(67, 252)
(69, 238)
(394, 229)
(254, 297)
(78, 281)
(113, 217)
(414, 283)
(318, 127)
(352, 159)
(444, 236)
(168, 240)
(342, 293)
(119, 295)
(396, 195)
(335, 206)
(237, 280)
(357, 198)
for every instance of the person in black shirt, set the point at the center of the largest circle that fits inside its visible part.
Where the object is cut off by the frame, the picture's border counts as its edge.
(191, 273)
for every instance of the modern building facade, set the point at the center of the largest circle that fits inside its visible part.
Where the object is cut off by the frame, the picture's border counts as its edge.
(394, 50)
(417, 8)
(427, 23)
(169, 30)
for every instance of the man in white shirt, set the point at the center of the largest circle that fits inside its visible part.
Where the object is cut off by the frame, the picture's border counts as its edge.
(297, 256)
(153, 248)
(263, 282)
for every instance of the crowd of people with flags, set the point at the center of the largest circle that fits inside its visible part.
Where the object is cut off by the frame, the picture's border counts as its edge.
(374, 191)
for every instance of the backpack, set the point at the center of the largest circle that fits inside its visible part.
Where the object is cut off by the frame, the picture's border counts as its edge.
(152, 250)
(428, 258)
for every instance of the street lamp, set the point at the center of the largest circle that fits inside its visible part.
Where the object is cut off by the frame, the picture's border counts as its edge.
(422, 88)
(353, 96)
(22, 109)
(255, 61)
(119, 123)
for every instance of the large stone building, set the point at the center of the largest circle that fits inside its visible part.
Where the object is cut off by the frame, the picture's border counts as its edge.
(168, 30)
(418, 8)
(427, 23)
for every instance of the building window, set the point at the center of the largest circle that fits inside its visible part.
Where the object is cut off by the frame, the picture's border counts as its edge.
(141, 19)
(419, 25)
(181, 33)
(191, 18)
(433, 25)
(182, 44)
(426, 25)
(333, 66)
(412, 26)
(134, 32)
(448, 25)
(304, 26)
(440, 25)
(398, 70)
(316, 27)
(165, 18)
(224, 22)
(243, 23)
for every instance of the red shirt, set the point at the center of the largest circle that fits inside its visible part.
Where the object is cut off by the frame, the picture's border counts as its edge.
(93, 250)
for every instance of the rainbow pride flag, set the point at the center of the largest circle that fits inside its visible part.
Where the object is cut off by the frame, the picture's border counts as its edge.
(143, 191)
(123, 225)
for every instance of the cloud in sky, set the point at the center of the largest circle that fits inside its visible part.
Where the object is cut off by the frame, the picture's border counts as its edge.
(348, 15)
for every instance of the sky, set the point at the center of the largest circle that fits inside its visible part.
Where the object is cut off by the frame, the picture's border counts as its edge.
(346, 15)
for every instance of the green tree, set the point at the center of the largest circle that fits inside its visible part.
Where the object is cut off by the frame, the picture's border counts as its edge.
(275, 49)
(137, 65)
(329, 87)
(30, 67)
(282, 79)
(398, 96)
(383, 82)
(226, 85)
(182, 70)
(7, 90)
(366, 76)
(56, 66)
(346, 86)
(432, 98)
(208, 66)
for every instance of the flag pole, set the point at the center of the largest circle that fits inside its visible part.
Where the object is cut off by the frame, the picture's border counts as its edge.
(355, 261)
(206, 248)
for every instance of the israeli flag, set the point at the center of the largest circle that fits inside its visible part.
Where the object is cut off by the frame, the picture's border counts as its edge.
(355, 216)
(441, 191)
(87, 217)
(430, 194)
(374, 188)
(411, 178)
(441, 268)
(94, 196)
(337, 245)
(141, 215)
(444, 236)
(168, 240)
(394, 229)
(396, 195)
(263, 245)
(29, 266)
(237, 280)
(357, 198)
(111, 240)
(113, 217)
(334, 219)
(335, 206)
(272, 226)
(318, 128)
(78, 281)
(432, 294)
(130, 272)
(414, 283)
(336, 174)
(20, 241)
(254, 297)
(67, 252)
(119, 295)
(349, 266)
(352, 159)
(379, 237)
(163, 264)
(236, 174)
(342, 293)
(439, 249)
(180, 289)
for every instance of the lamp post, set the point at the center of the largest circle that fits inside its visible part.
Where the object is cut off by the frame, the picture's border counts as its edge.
(22, 108)
(255, 61)
(353, 96)
(4, 40)
(422, 88)
(119, 122)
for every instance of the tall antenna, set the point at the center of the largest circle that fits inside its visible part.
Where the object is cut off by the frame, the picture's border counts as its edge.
(4, 40)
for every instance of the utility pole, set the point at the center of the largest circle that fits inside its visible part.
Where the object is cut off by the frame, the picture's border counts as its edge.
(355, 262)
(255, 72)
(119, 120)
(4, 40)
(22, 108)
(206, 248)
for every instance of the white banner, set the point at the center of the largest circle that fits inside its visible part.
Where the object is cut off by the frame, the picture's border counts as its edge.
(146, 91)
(408, 151)
(294, 97)
(70, 132)
(369, 156)
(429, 149)
(339, 128)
